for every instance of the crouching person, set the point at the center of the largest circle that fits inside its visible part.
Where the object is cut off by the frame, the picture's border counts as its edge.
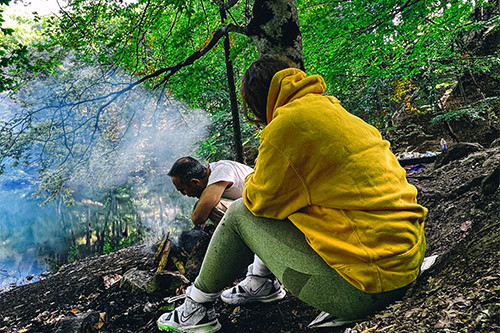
(216, 186)
(327, 209)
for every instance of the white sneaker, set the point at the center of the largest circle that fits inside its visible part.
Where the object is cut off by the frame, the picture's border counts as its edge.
(190, 317)
(254, 289)
(428, 263)
(325, 319)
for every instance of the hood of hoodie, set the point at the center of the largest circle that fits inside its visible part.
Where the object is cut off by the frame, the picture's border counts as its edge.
(288, 85)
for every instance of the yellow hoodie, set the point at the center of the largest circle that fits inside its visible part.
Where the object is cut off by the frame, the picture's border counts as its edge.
(334, 177)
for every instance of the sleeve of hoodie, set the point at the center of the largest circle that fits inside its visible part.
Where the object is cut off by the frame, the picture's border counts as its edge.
(275, 189)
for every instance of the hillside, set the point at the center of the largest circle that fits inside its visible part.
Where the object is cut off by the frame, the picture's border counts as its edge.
(459, 293)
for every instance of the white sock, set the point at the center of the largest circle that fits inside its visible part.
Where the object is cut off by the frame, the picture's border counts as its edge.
(259, 268)
(199, 296)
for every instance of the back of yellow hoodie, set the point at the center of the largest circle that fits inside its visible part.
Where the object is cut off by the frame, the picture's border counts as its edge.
(334, 177)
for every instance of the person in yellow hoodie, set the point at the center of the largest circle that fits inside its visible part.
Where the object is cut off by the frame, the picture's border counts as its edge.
(327, 208)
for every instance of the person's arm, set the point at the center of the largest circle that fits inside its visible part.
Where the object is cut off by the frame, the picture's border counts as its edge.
(208, 200)
(275, 189)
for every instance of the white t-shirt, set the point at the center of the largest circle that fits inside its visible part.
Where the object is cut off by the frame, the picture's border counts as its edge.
(229, 171)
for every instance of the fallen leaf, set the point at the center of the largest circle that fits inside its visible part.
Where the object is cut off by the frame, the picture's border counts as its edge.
(75, 311)
(168, 307)
(102, 319)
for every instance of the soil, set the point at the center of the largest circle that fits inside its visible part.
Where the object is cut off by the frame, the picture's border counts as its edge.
(460, 293)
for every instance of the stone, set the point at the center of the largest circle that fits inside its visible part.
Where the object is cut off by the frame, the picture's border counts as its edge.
(490, 184)
(163, 282)
(136, 280)
(495, 143)
(195, 258)
(81, 323)
(456, 152)
(189, 238)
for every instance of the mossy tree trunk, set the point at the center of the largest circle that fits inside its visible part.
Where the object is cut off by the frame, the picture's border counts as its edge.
(274, 29)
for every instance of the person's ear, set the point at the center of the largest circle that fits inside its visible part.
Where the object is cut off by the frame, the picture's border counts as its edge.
(194, 182)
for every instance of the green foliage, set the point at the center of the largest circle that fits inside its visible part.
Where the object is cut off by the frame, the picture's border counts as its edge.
(168, 307)
(377, 57)
(73, 254)
(367, 45)
(111, 245)
(54, 265)
(24, 50)
(145, 36)
(479, 111)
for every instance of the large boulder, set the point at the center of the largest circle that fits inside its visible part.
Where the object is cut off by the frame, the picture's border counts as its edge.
(195, 258)
(189, 238)
(491, 183)
(456, 152)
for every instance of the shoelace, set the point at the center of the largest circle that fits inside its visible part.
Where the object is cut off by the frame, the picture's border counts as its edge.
(176, 298)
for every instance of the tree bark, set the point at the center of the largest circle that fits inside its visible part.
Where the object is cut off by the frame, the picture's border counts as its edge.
(238, 146)
(88, 238)
(274, 29)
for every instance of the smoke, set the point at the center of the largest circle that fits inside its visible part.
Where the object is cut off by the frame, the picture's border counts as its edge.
(86, 149)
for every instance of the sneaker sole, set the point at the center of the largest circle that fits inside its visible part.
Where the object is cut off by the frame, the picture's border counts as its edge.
(210, 327)
(324, 319)
(280, 294)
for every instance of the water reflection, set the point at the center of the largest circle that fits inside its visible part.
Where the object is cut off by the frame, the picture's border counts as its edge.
(27, 235)
(35, 238)
(110, 164)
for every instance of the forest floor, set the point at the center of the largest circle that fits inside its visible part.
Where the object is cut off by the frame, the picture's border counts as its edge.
(460, 293)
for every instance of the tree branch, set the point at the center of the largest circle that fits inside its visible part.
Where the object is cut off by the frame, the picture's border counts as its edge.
(225, 5)
(193, 57)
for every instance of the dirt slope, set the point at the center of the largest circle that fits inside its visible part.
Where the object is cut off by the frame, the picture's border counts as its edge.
(459, 293)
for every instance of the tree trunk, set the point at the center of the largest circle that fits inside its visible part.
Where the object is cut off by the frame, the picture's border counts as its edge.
(60, 212)
(274, 29)
(88, 231)
(238, 146)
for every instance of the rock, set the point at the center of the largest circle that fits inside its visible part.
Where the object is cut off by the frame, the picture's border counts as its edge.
(195, 259)
(163, 282)
(136, 280)
(110, 280)
(495, 143)
(188, 239)
(456, 152)
(82, 323)
(149, 307)
(490, 184)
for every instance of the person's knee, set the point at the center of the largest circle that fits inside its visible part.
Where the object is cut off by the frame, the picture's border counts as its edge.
(236, 210)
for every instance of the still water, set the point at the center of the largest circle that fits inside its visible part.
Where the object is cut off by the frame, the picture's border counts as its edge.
(35, 238)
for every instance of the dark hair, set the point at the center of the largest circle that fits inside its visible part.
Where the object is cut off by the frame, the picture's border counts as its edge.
(256, 83)
(186, 168)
